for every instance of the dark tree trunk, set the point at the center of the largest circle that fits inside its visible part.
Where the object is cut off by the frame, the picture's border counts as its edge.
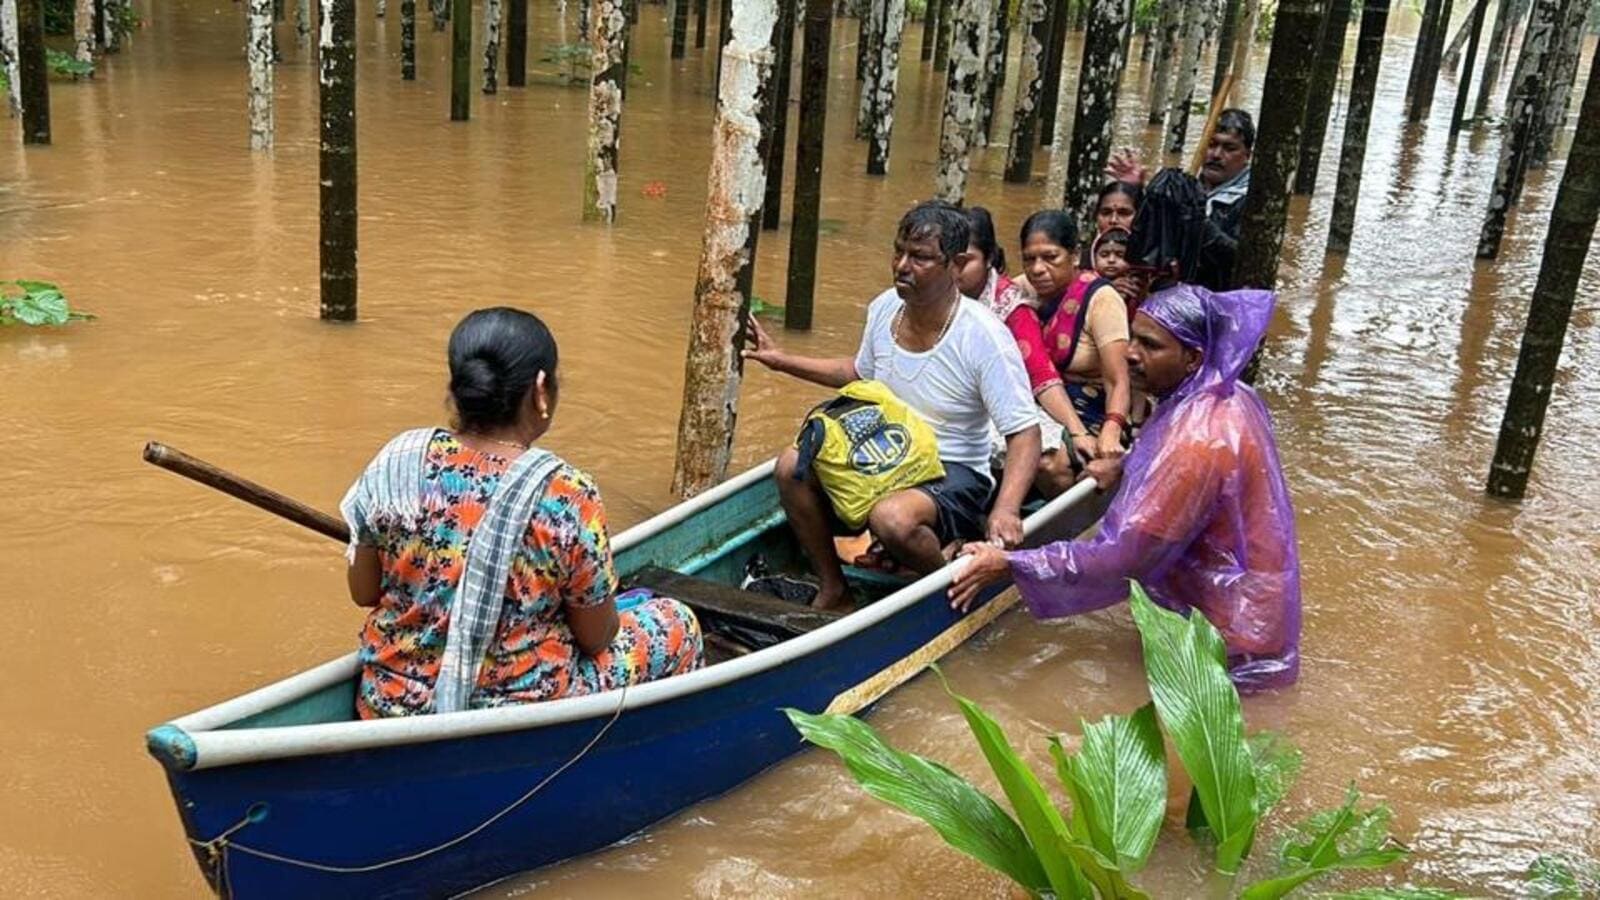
(999, 49)
(802, 281)
(1039, 20)
(1050, 101)
(517, 44)
(1319, 105)
(32, 73)
(772, 207)
(1425, 78)
(336, 57)
(1358, 116)
(702, 8)
(1561, 68)
(1452, 53)
(1464, 85)
(1094, 119)
(1167, 31)
(460, 59)
(884, 86)
(1566, 246)
(1520, 112)
(863, 42)
(440, 10)
(1183, 81)
(958, 124)
(1504, 22)
(930, 30)
(1419, 51)
(941, 51)
(1283, 106)
(1226, 37)
(408, 39)
(872, 42)
(680, 27)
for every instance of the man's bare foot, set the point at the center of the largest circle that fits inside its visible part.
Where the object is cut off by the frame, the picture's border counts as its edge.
(833, 599)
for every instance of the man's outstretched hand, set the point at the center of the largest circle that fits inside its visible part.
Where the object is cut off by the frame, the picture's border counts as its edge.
(759, 345)
(985, 565)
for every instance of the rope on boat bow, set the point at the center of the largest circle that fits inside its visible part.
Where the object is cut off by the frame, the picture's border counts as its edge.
(217, 848)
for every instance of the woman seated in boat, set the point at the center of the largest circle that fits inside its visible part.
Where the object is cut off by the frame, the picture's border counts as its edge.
(485, 560)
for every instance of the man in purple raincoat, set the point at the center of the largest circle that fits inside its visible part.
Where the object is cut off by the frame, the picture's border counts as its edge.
(1203, 518)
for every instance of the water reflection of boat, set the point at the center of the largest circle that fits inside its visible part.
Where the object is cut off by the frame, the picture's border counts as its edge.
(284, 794)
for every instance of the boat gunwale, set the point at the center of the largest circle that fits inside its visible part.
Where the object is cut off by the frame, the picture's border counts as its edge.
(195, 742)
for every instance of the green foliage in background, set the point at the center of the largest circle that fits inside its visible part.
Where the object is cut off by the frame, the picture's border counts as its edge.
(577, 62)
(35, 303)
(67, 65)
(1116, 783)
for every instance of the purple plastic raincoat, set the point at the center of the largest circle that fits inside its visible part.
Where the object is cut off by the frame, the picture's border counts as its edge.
(1203, 518)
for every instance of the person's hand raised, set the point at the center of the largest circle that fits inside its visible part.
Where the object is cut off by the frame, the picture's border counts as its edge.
(1125, 166)
(759, 345)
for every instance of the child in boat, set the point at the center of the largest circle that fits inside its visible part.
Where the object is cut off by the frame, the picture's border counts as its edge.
(485, 560)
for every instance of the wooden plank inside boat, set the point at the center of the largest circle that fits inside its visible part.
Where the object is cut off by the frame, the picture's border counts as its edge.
(715, 600)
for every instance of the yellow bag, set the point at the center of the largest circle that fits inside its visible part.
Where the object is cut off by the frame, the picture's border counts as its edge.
(865, 444)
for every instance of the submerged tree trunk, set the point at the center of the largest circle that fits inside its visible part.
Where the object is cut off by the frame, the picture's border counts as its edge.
(83, 30)
(1168, 31)
(872, 43)
(1319, 103)
(680, 28)
(1561, 69)
(930, 29)
(1520, 112)
(609, 27)
(1244, 46)
(958, 125)
(713, 367)
(517, 44)
(460, 60)
(1038, 22)
(10, 56)
(702, 8)
(1504, 22)
(1188, 68)
(408, 40)
(995, 69)
(258, 54)
(493, 12)
(32, 74)
(724, 34)
(1425, 62)
(772, 206)
(1464, 84)
(337, 163)
(1094, 119)
(884, 87)
(1050, 98)
(302, 25)
(1283, 106)
(1452, 53)
(802, 281)
(941, 50)
(1358, 116)
(1226, 38)
(1566, 246)
(441, 13)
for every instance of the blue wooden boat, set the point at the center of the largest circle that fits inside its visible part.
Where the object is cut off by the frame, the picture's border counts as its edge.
(284, 793)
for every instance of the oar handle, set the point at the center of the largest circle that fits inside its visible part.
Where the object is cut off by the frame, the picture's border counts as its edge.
(174, 460)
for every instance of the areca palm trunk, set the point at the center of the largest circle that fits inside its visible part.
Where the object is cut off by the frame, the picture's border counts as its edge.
(302, 26)
(1167, 32)
(802, 277)
(83, 30)
(493, 13)
(1094, 118)
(872, 45)
(713, 366)
(959, 121)
(1319, 103)
(337, 160)
(460, 60)
(1188, 68)
(609, 27)
(1504, 21)
(1226, 38)
(258, 54)
(930, 29)
(941, 50)
(995, 68)
(887, 73)
(1566, 246)
(1050, 98)
(1283, 105)
(1520, 115)
(32, 76)
(1038, 23)
(772, 206)
(10, 56)
(1464, 85)
(1358, 117)
(517, 44)
(1562, 67)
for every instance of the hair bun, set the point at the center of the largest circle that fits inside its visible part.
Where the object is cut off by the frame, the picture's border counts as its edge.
(475, 385)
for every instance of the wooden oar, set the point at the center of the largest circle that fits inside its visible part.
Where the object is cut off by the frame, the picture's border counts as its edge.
(174, 460)
(1217, 103)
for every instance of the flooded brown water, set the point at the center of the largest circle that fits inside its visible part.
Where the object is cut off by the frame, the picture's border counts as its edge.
(1451, 658)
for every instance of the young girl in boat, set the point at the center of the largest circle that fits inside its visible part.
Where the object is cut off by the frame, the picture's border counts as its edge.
(485, 560)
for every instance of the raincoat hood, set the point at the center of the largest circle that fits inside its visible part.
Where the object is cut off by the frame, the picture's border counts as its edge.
(1225, 328)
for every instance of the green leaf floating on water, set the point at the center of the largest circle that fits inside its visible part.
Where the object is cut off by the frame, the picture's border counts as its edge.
(964, 816)
(1186, 663)
(40, 303)
(1343, 838)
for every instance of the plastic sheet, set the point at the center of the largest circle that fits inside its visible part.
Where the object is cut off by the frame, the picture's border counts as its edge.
(1203, 518)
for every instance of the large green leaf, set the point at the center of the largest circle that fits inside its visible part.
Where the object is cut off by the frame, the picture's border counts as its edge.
(1101, 873)
(1343, 838)
(1040, 819)
(1185, 661)
(964, 816)
(1118, 784)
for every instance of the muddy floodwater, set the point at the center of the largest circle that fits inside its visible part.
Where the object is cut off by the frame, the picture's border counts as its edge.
(1452, 654)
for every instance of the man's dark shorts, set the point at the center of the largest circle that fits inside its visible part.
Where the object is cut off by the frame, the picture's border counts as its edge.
(962, 497)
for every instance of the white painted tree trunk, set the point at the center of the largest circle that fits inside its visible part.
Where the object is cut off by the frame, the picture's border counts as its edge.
(493, 15)
(9, 55)
(258, 53)
(302, 23)
(887, 75)
(872, 35)
(1244, 48)
(735, 189)
(1194, 15)
(609, 28)
(1167, 31)
(1030, 85)
(969, 40)
(1094, 119)
(83, 30)
(994, 69)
